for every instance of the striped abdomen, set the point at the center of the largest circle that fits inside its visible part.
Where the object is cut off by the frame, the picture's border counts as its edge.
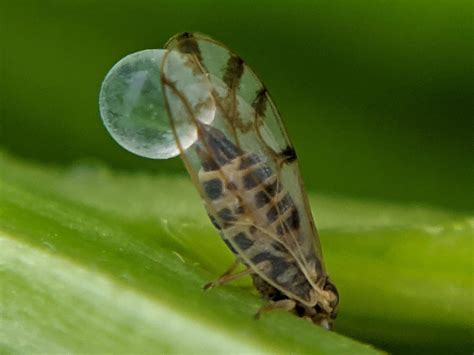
(252, 210)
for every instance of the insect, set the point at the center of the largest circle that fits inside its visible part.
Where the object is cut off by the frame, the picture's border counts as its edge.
(246, 170)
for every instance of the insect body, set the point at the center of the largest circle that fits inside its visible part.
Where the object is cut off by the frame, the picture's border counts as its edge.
(245, 169)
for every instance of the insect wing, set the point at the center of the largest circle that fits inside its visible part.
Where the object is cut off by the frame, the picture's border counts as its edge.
(241, 151)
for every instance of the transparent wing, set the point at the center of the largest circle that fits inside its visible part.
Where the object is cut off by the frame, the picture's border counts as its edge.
(216, 101)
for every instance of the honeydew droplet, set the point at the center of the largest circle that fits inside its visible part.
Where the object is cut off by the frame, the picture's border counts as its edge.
(133, 110)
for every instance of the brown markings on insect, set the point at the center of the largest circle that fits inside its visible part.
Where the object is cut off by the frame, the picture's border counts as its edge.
(256, 201)
(187, 44)
(204, 105)
(288, 155)
(261, 203)
(233, 72)
(232, 75)
(259, 105)
(260, 102)
(248, 204)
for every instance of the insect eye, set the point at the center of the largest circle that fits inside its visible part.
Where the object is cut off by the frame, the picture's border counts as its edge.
(329, 286)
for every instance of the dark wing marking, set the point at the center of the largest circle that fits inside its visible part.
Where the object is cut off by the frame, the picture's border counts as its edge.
(245, 127)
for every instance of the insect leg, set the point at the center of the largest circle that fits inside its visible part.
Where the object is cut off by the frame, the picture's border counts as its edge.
(229, 271)
(228, 276)
(286, 305)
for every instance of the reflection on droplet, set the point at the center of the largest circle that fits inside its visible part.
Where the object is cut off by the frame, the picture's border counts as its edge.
(133, 109)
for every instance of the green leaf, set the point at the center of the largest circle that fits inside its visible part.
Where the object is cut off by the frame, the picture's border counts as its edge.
(93, 260)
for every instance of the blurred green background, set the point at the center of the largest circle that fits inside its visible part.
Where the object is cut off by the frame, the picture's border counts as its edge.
(377, 95)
